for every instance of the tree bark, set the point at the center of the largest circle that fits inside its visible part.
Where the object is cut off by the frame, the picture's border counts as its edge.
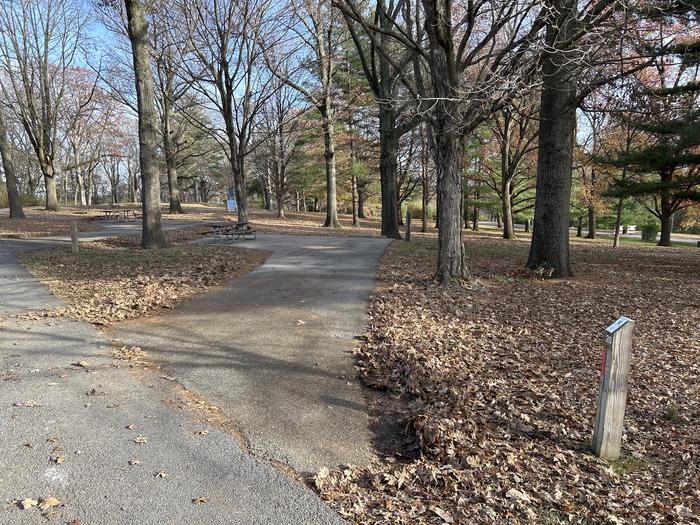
(618, 220)
(507, 209)
(388, 155)
(424, 206)
(550, 238)
(591, 223)
(152, 235)
(579, 226)
(13, 196)
(666, 212)
(329, 155)
(50, 187)
(449, 141)
(171, 162)
(361, 204)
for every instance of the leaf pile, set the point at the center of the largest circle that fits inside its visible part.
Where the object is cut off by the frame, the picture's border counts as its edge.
(104, 284)
(498, 383)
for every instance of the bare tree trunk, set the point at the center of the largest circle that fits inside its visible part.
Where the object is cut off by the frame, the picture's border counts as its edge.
(388, 154)
(329, 154)
(550, 238)
(267, 188)
(47, 170)
(280, 191)
(171, 165)
(666, 212)
(579, 227)
(508, 229)
(618, 220)
(424, 205)
(13, 197)
(592, 219)
(361, 204)
(152, 235)
(355, 218)
(591, 223)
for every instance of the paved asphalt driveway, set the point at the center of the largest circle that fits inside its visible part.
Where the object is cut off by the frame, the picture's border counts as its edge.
(130, 453)
(273, 348)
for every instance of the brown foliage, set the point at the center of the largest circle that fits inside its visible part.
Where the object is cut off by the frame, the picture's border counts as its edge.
(112, 281)
(499, 383)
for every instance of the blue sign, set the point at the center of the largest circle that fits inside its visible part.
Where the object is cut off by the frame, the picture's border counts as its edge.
(231, 205)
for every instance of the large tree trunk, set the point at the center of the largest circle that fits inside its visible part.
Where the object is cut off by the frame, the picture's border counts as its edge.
(449, 165)
(550, 238)
(329, 154)
(449, 141)
(388, 155)
(50, 187)
(13, 197)
(152, 235)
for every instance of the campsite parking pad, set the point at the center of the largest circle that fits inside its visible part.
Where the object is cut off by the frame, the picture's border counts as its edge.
(273, 348)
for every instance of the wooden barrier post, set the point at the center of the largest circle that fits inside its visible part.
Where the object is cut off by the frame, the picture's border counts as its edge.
(408, 225)
(612, 395)
(74, 236)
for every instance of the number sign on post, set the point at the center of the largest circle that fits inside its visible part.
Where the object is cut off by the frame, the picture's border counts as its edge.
(612, 396)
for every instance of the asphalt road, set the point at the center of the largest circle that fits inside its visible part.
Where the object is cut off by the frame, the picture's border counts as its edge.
(131, 450)
(273, 348)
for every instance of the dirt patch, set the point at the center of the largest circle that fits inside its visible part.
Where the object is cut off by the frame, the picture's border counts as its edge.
(498, 382)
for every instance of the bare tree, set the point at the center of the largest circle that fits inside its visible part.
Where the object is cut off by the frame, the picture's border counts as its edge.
(281, 123)
(515, 130)
(224, 59)
(390, 69)
(39, 42)
(169, 51)
(307, 44)
(477, 56)
(152, 235)
(8, 166)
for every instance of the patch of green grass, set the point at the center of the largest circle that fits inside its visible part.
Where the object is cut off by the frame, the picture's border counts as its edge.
(628, 465)
(671, 412)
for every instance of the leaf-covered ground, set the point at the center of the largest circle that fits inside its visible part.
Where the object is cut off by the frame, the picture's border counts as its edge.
(40, 223)
(497, 384)
(113, 280)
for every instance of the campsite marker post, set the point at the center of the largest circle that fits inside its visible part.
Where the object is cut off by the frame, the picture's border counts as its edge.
(612, 395)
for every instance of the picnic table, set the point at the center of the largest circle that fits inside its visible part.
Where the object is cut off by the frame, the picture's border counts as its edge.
(119, 215)
(232, 230)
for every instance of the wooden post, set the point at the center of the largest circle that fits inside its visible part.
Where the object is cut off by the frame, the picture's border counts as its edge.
(612, 395)
(74, 236)
(408, 225)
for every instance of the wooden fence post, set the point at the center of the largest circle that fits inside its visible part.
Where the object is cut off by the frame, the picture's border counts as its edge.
(408, 225)
(74, 236)
(612, 395)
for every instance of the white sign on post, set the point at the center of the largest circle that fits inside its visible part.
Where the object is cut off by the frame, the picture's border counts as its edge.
(612, 395)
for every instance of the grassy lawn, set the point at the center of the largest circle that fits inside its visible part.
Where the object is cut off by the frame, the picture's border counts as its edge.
(497, 386)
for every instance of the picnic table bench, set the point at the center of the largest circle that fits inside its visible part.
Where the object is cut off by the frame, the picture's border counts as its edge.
(232, 231)
(122, 215)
